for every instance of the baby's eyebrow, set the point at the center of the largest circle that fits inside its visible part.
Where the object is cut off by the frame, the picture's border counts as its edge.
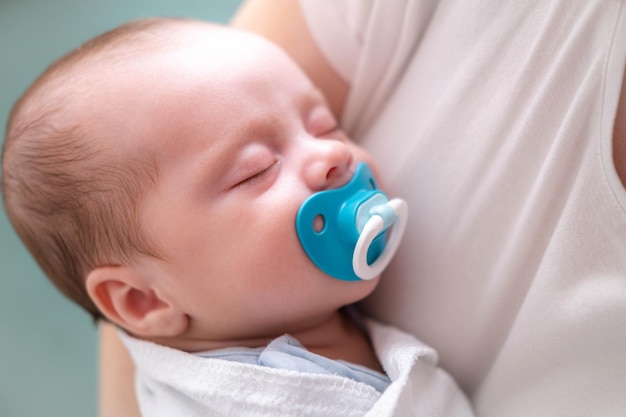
(264, 124)
(259, 127)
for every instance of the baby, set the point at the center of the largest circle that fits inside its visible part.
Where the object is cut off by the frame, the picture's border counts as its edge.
(155, 174)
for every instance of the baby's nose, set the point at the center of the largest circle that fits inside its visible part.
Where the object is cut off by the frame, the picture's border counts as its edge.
(329, 165)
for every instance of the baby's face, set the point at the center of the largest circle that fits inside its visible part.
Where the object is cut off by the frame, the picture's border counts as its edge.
(241, 138)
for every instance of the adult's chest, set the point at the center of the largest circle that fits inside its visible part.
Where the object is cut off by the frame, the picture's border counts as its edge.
(500, 138)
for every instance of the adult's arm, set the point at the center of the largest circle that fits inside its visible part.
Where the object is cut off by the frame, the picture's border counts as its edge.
(282, 22)
(117, 390)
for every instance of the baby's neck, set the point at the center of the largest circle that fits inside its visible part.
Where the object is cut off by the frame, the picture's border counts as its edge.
(340, 338)
(336, 337)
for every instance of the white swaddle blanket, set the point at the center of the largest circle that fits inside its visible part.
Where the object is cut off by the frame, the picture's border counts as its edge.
(172, 383)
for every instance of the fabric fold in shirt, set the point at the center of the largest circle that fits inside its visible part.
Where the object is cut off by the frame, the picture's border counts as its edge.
(286, 352)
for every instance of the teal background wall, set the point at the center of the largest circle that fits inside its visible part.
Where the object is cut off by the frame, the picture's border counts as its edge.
(48, 347)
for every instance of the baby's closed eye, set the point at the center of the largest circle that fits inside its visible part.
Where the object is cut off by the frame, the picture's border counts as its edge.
(258, 175)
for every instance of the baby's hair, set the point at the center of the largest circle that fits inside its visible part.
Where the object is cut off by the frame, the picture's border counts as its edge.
(72, 199)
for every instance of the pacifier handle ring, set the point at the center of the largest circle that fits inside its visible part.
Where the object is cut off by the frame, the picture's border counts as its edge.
(374, 226)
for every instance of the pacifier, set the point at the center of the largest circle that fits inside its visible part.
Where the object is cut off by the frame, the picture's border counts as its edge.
(347, 231)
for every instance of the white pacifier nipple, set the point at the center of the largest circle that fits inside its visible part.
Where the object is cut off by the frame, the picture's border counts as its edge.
(394, 212)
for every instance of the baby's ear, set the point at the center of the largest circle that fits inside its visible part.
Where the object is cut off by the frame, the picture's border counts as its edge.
(127, 298)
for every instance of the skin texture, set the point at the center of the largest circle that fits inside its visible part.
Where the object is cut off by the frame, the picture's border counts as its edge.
(619, 135)
(116, 377)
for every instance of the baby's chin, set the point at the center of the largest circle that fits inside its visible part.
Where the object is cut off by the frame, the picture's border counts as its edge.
(359, 290)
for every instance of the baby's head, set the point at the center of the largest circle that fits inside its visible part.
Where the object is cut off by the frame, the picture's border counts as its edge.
(155, 174)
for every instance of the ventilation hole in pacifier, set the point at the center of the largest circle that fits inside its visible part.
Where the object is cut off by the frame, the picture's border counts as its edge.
(319, 222)
(372, 183)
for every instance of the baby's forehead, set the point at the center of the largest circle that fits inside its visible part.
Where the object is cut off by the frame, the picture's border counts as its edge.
(172, 60)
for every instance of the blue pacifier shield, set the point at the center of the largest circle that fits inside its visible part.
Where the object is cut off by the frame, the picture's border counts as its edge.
(330, 222)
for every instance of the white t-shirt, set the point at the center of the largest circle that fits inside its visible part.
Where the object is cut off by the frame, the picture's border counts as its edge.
(494, 119)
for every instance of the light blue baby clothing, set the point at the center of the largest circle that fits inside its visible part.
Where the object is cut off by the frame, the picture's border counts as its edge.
(286, 352)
